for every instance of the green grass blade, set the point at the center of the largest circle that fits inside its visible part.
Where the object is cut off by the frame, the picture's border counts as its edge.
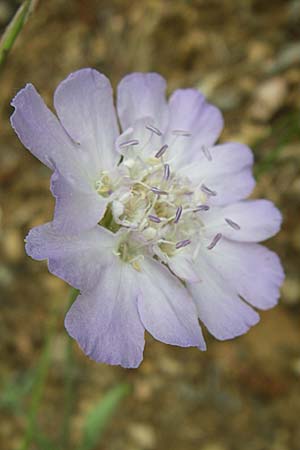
(99, 417)
(13, 29)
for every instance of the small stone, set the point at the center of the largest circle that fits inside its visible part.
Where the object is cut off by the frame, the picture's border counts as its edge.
(13, 245)
(291, 291)
(143, 435)
(269, 98)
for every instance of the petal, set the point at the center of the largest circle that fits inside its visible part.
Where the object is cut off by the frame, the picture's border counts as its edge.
(219, 308)
(77, 259)
(183, 266)
(40, 131)
(257, 220)
(142, 95)
(252, 270)
(75, 210)
(229, 173)
(146, 145)
(166, 309)
(105, 320)
(84, 104)
(190, 112)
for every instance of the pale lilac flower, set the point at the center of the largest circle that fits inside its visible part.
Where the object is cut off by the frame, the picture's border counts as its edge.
(150, 225)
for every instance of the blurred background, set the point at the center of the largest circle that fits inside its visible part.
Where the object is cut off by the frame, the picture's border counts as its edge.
(240, 395)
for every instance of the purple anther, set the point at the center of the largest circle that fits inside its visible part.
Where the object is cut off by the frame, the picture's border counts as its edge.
(154, 130)
(178, 214)
(158, 191)
(129, 143)
(206, 152)
(181, 133)
(162, 151)
(201, 208)
(233, 224)
(166, 171)
(181, 244)
(208, 191)
(154, 218)
(214, 241)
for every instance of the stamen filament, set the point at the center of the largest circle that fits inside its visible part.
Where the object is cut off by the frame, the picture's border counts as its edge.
(178, 214)
(158, 191)
(126, 144)
(181, 244)
(214, 242)
(154, 130)
(233, 224)
(162, 151)
(207, 190)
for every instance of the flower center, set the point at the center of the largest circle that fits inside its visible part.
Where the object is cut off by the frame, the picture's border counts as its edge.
(154, 210)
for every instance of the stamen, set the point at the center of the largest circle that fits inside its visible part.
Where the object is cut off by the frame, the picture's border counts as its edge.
(214, 241)
(181, 133)
(208, 191)
(201, 208)
(181, 244)
(178, 214)
(129, 143)
(233, 224)
(206, 152)
(154, 218)
(154, 130)
(158, 191)
(166, 171)
(162, 151)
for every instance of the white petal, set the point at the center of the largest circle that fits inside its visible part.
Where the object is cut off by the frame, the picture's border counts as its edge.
(142, 95)
(84, 104)
(220, 309)
(252, 270)
(256, 220)
(105, 320)
(166, 308)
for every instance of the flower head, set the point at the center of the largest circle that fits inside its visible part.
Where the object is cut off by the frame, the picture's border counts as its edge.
(151, 224)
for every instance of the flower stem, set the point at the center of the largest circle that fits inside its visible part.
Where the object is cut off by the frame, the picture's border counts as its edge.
(14, 28)
(69, 382)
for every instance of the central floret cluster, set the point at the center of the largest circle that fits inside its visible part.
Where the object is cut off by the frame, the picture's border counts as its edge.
(155, 211)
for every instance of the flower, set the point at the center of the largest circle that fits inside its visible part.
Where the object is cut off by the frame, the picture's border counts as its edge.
(151, 224)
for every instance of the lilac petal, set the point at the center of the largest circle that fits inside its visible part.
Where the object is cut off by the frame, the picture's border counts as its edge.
(142, 95)
(105, 320)
(223, 313)
(183, 266)
(229, 173)
(189, 111)
(257, 220)
(166, 309)
(77, 259)
(252, 270)
(84, 104)
(75, 210)
(40, 131)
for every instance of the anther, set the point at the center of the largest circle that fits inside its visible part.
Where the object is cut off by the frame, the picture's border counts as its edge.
(178, 214)
(208, 191)
(154, 130)
(214, 241)
(162, 151)
(129, 143)
(201, 208)
(166, 171)
(154, 218)
(181, 133)
(181, 244)
(233, 224)
(206, 152)
(158, 191)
